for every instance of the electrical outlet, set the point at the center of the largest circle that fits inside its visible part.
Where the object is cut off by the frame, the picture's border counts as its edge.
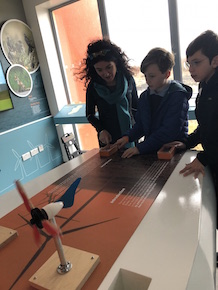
(34, 151)
(41, 148)
(26, 156)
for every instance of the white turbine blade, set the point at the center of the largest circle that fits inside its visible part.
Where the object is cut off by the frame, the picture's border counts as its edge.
(53, 208)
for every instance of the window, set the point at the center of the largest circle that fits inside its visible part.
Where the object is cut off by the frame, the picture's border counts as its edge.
(135, 26)
(194, 18)
(77, 24)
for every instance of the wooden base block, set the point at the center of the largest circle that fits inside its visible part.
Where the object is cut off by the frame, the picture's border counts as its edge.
(108, 150)
(166, 152)
(83, 264)
(6, 235)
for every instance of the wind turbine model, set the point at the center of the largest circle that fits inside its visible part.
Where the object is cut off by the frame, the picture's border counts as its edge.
(45, 218)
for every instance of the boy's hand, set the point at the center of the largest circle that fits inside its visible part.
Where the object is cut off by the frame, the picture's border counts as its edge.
(130, 152)
(176, 144)
(195, 167)
(105, 137)
(122, 141)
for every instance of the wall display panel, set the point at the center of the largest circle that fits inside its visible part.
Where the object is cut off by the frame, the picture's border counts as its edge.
(20, 63)
(32, 108)
(18, 45)
(5, 99)
(19, 141)
(19, 80)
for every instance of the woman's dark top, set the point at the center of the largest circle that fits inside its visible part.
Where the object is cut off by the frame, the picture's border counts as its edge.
(107, 117)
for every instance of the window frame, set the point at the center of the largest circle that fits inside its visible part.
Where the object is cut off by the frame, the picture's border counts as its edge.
(104, 29)
(174, 35)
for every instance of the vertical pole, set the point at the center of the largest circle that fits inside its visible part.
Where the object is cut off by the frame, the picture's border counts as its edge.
(174, 34)
(64, 266)
(103, 17)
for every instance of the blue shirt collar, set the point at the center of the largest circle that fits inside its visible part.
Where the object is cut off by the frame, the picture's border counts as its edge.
(162, 92)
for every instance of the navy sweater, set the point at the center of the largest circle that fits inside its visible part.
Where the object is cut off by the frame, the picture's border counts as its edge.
(207, 117)
(169, 122)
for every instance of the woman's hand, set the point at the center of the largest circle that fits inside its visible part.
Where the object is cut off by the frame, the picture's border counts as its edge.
(122, 142)
(130, 152)
(105, 137)
(195, 167)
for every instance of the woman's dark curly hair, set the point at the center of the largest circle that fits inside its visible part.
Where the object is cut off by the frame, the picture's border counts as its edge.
(103, 50)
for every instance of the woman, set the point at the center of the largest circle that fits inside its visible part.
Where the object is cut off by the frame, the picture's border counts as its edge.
(111, 91)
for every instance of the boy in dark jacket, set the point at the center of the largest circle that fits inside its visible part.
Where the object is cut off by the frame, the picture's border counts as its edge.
(202, 60)
(162, 113)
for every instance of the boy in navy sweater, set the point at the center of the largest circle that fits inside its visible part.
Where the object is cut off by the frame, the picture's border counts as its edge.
(162, 111)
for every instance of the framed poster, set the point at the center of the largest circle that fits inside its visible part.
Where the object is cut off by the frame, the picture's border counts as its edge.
(19, 80)
(18, 45)
(5, 99)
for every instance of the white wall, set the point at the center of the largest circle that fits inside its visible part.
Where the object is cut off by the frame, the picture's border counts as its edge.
(8, 10)
(19, 137)
(37, 15)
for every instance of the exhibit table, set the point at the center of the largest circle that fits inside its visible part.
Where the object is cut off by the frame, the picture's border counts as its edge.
(148, 224)
(175, 243)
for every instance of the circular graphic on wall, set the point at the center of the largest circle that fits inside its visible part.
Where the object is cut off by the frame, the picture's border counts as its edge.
(18, 45)
(19, 80)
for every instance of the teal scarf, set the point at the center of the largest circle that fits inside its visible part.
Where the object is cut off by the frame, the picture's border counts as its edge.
(119, 98)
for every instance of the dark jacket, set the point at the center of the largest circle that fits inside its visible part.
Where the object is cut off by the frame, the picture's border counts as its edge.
(168, 123)
(207, 116)
(107, 113)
